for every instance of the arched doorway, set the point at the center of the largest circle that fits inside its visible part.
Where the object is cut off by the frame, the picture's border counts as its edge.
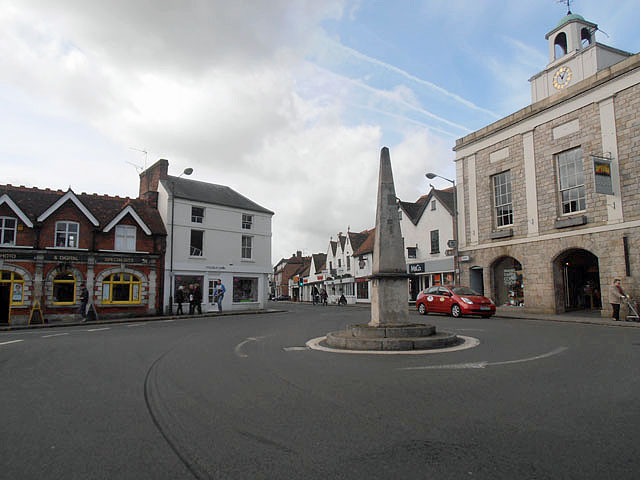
(508, 282)
(578, 274)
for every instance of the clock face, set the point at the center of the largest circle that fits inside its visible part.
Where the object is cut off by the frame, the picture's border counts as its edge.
(561, 78)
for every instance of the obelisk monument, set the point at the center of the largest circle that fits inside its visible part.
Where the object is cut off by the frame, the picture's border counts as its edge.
(389, 292)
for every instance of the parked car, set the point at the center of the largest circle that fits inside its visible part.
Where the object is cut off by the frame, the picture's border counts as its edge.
(281, 297)
(455, 300)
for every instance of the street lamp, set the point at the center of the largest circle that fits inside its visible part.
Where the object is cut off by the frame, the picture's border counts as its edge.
(456, 275)
(186, 171)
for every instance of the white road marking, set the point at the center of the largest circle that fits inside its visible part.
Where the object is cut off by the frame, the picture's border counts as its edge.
(239, 346)
(460, 366)
(54, 335)
(166, 321)
(294, 349)
(11, 341)
(98, 329)
(469, 342)
(135, 325)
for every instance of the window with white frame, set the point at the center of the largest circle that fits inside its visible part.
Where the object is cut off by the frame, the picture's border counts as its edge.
(433, 205)
(571, 181)
(435, 241)
(67, 234)
(247, 247)
(125, 238)
(247, 221)
(412, 252)
(197, 214)
(196, 243)
(502, 198)
(8, 227)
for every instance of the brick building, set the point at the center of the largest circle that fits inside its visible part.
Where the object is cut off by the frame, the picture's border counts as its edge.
(54, 242)
(548, 196)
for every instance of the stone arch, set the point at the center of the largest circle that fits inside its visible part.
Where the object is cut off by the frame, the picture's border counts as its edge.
(26, 278)
(507, 281)
(576, 278)
(560, 45)
(48, 284)
(144, 283)
(585, 37)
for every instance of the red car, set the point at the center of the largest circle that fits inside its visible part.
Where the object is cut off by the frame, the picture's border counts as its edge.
(455, 300)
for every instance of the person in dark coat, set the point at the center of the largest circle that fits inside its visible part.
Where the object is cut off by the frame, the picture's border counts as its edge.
(314, 295)
(84, 299)
(191, 299)
(197, 299)
(179, 300)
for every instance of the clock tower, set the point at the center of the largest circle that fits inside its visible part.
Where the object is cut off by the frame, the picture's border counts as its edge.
(574, 55)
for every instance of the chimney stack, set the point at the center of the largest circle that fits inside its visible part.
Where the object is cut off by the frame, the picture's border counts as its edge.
(149, 180)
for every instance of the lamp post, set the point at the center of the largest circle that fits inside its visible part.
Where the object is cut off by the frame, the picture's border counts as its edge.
(187, 171)
(456, 275)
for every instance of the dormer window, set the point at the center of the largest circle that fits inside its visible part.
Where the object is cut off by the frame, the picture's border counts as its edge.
(8, 227)
(585, 37)
(67, 234)
(560, 45)
(125, 238)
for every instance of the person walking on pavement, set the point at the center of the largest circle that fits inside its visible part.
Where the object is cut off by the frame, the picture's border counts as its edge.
(616, 295)
(314, 295)
(323, 296)
(197, 299)
(191, 300)
(84, 299)
(180, 300)
(219, 294)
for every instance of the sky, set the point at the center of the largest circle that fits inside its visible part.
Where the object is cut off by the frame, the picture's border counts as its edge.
(286, 101)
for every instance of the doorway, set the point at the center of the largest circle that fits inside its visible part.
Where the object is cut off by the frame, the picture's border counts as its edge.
(5, 302)
(476, 279)
(580, 276)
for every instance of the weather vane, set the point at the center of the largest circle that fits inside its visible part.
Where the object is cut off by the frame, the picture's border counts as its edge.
(568, 2)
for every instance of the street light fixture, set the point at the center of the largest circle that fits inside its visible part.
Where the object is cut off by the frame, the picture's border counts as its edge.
(456, 274)
(186, 171)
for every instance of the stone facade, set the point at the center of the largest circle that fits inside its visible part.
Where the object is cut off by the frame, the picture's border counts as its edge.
(600, 116)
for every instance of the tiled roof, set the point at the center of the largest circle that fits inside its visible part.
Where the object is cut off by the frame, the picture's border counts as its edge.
(357, 239)
(34, 201)
(334, 246)
(210, 193)
(319, 260)
(415, 210)
(367, 245)
(343, 240)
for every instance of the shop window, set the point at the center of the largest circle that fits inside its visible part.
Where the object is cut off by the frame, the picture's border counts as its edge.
(502, 198)
(8, 227)
(196, 245)
(121, 288)
(362, 290)
(509, 282)
(64, 289)
(16, 286)
(247, 247)
(247, 221)
(435, 241)
(67, 234)
(197, 214)
(245, 289)
(571, 181)
(125, 238)
(187, 282)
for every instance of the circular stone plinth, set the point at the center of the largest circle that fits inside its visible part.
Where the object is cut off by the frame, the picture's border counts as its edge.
(321, 345)
(347, 341)
(401, 330)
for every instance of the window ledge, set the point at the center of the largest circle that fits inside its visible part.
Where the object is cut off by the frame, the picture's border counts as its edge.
(67, 248)
(504, 233)
(9, 245)
(122, 251)
(247, 260)
(571, 222)
(195, 257)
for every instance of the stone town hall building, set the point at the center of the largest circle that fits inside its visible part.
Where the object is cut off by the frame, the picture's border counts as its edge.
(549, 196)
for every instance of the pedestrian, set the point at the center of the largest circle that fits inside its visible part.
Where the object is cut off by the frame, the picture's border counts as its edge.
(84, 299)
(324, 296)
(197, 299)
(179, 300)
(191, 301)
(314, 295)
(616, 295)
(219, 294)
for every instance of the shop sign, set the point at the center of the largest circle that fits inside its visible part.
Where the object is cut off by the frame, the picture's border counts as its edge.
(416, 267)
(122, 259)
(16, 256)
(451, 243)
(361, 280)
(319, 277)
(449, 253)
(602, 175)
(464, 258)
(510, 276)
(66, 257)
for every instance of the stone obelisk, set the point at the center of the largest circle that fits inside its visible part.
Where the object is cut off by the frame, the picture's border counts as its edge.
(389, 292)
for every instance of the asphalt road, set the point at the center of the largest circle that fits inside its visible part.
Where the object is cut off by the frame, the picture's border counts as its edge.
(239, 397)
